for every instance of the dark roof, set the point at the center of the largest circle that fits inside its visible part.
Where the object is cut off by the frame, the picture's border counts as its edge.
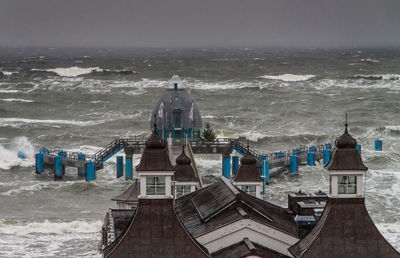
(129, 195)
(176, 100)
(155, 231)
(345, 156)
(155, 141)
(155, 157)
(247, 248)
(184, 171)
(248, 170)
(122, 218)
(344, 230)
(222, 203)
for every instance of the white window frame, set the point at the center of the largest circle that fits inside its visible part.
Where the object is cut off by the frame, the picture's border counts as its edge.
(156, 185)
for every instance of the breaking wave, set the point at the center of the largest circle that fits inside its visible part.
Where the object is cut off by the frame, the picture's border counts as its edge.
(378, 76)
(73, 71)
(17, 122)
(289, 77)
(76, 71)
(18, 100)
(37, 238)
(9, 154)
(370, 60)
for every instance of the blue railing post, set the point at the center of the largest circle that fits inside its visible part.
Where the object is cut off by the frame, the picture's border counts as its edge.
(128, 168)
(378, 145)
(327, 156)
(39, 162)
(226, 166)
(120, 166)
(265, 166)
(58, 168)
(235, 164)
(293, 164)
(310, 159)
(90, 171)
(81, 171)
(358, 147)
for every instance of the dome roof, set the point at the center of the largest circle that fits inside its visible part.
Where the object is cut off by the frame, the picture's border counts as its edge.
(180, 102)
(345, 156)
(248, 159)
(155, 141)
(248, 169)
(183, 159)
(346, 140)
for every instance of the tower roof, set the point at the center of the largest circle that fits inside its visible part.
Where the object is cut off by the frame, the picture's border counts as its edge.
(155, 157)
(248, 170)
(184, 171)
(345, 156)
(178, 101)
(344, 230)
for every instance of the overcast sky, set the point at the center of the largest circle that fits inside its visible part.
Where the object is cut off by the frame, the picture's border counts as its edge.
(200, 23)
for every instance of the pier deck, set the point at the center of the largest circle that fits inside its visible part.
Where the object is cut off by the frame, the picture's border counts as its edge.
(221, 146)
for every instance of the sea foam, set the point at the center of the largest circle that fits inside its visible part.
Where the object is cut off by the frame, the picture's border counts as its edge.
(18, 100)
(9, 155)
(289, 77)
(73, 71)
(17, 122)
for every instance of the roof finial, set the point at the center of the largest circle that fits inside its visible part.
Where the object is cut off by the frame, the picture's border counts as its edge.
(183, 149)
(345, 125)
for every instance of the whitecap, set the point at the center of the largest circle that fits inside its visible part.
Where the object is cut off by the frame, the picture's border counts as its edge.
(289, 77)
(378, 76)
(8, 73)
(9, 91)
(16, 122)
(370, 60)
(73, 71)
(18, 100)
(9, 155)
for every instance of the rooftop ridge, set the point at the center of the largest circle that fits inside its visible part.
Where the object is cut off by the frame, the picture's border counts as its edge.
(230, 185)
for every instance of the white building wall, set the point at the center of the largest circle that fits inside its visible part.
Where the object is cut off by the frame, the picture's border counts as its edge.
(256, 232)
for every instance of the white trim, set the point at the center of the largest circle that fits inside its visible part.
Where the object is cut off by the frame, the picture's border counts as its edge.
(155, 173)
(168, 186)
(246, 183)
(256, 232)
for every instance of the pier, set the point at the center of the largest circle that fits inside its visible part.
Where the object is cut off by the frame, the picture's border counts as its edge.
(88, 165)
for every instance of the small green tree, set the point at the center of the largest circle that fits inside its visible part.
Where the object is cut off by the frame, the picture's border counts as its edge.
(208, 134)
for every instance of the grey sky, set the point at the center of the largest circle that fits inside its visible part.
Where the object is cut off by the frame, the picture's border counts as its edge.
(200, 23)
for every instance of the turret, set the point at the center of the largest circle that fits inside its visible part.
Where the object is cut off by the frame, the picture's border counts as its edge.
(346, 169)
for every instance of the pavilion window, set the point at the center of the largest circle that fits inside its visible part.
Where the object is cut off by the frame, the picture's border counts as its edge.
(182, 190)
(155, 185)
(347, 184)
(250, 189)
(178, 119)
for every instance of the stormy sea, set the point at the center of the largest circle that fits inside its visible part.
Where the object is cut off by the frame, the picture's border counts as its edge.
(279, 99)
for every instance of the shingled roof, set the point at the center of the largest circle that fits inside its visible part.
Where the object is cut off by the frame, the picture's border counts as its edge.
(344, 230)
(345, 156)
(155, 157)
(246, 248)
(155, 231)
(183, 170)
(129, 195)
(222, 203)
(248, 170)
